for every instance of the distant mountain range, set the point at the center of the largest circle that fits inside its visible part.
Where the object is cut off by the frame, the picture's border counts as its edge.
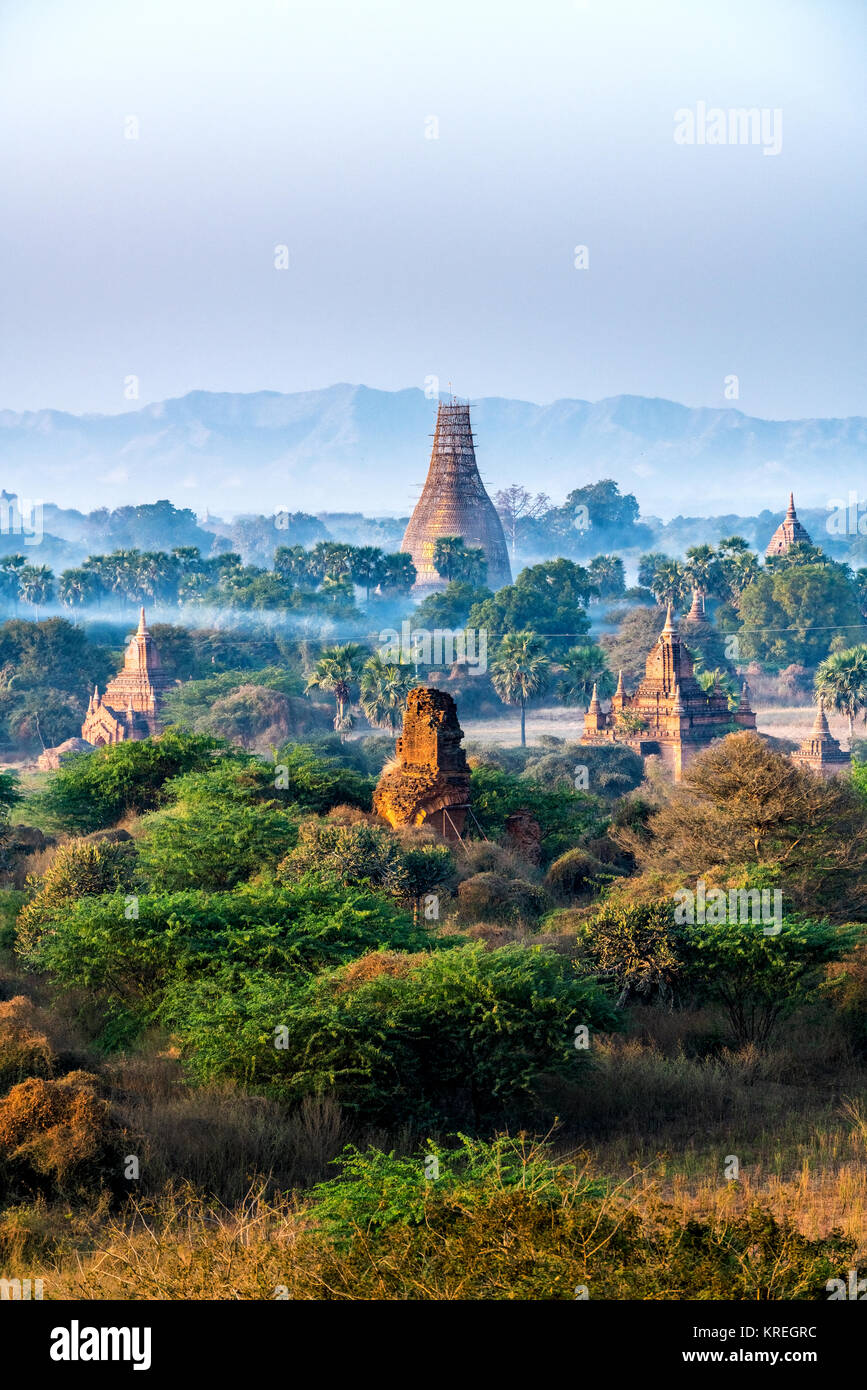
(350, 448)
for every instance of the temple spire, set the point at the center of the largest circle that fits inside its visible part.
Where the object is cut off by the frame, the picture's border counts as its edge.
(820, 724)
(790, 511)
(594, 701)
(619, 690)
(142, 628)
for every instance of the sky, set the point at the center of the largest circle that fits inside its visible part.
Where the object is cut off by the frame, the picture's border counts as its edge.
(430, 170)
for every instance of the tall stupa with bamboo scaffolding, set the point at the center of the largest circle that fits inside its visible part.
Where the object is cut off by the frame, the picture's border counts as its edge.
(454, 503)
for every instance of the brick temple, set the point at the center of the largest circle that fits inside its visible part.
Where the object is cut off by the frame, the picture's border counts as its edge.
(789, 532)
(669, 715)
(130, 706)
(429, 781)
(820, 751)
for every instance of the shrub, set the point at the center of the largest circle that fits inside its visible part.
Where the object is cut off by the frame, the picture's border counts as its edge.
(79, 869)
(213, 846)
(24, 1046)
(495, 898)
(129, 962)
(576, 871)
(96, 790)
(462, 1036)
(55, 1134)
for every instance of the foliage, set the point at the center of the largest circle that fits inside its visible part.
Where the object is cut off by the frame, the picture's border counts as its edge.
(79, 869)
(743, 809)
(211, 845)
(95, 790)
(463, 1036)
(289, 929)
(564, 816)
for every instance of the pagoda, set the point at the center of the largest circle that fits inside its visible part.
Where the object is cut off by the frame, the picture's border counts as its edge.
(789, 532)
(454, 503)
(130, 706)
(821, 752)
(669, 715)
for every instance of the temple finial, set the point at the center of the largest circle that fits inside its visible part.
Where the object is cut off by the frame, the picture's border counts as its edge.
(669, 621)
(142, 625)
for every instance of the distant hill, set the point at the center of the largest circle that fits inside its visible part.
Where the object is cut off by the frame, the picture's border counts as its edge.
(352, 448)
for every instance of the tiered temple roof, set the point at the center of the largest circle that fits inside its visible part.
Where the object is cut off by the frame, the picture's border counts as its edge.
(130, 706)
(789, 532)
(454, 503)
(669, 715)
(820, 751)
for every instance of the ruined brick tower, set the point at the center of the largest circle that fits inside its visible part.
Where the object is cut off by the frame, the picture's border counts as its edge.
(130, 707)
(454, 503)
(429, 781)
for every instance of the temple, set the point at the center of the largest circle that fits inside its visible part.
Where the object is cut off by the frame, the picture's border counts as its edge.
(429, 781)
(669, 715)
(454, 503)
(821, 752)
(130, 706)
(789, 532)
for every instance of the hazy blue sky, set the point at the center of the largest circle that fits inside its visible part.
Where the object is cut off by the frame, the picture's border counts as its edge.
(266, 123)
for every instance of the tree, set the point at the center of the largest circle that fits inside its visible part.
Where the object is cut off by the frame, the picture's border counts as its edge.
(448, 556)
(791, 612)
(669, 583)
(514, 504)
(520, 672)
(549, 598)
(580, 669)
(337, 672)
(383, 691)
(368, 568)
(35, 585)
(747, 817)
(607, 574)
(841, 682)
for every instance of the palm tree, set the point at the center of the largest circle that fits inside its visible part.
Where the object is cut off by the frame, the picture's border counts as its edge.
(337, 671)
(668, 583)
(521, 672)
(581, 668)
(702, 568)
(607, 574)
(841, 681)
(368, 568)
(35, 585)
(384, 688)
(399, 573)
(77, 587)
(448, 556)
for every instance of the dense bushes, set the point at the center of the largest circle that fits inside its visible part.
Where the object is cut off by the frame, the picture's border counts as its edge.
(128, 954)
(95, 790)
(460, 1037)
